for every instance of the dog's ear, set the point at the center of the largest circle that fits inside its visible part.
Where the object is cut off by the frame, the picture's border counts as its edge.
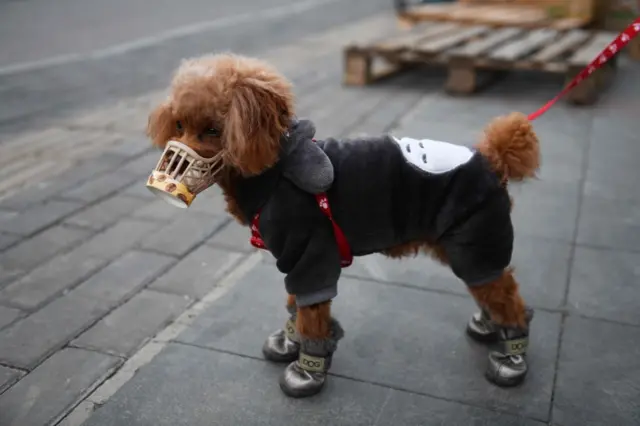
(161, 125)
(258, 116)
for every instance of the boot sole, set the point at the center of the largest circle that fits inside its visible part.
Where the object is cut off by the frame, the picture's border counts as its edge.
(482, 338)
(504, 384)
(279, 359)
(299, 394)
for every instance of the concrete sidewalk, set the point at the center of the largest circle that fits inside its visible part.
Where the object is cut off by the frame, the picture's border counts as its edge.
(102, 321)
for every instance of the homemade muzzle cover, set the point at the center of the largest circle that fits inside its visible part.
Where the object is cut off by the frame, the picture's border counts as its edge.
(181, 174)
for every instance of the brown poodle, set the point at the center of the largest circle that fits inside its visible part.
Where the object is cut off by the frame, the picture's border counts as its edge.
(313, 204)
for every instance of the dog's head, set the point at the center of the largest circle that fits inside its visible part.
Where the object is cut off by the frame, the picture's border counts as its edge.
(225, 105)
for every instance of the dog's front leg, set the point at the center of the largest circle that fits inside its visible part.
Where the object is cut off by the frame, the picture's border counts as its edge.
(318, 335)
(283, 345)
(504, 318)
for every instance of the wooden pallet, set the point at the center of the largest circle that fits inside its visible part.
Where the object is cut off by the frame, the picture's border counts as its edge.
(525, 16)
(469, 50)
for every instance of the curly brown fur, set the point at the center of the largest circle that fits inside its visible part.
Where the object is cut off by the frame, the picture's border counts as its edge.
(291, 300)
(314, 322)
(503, 301)
(512, 147)
(247, 101)
(414, 248)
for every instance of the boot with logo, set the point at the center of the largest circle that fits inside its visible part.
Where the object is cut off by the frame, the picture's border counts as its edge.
(508, 364)
(306, 376)
(283, 345)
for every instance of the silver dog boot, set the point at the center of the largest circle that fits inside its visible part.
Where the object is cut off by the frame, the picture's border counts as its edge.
(307, 375)
(482, 328)
(283, 345)
(508, 365)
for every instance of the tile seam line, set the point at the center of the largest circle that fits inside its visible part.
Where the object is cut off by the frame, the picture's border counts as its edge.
(32, 366)
(66, 250)
(572, 256)
(154, 345)
(355, 379)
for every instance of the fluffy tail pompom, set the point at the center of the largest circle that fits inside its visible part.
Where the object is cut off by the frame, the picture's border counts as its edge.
(512, 147)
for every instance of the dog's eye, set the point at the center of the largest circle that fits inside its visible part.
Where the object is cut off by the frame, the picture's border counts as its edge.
(178, 126)
(211, 132)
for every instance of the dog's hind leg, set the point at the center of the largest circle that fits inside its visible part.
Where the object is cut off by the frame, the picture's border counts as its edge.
(504, 318)
(318, 334)
(283, 345)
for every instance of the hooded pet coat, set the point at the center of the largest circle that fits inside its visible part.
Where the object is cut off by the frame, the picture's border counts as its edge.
(383, 192)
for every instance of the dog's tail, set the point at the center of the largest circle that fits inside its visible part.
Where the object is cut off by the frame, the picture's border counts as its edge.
(512, 147)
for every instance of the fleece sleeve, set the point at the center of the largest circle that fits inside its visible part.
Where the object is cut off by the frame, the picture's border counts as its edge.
(310, 260)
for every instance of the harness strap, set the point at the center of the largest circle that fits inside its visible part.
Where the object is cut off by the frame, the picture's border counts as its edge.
(346, 258)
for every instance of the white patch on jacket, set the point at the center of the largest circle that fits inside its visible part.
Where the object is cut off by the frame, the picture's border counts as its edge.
(433, 156)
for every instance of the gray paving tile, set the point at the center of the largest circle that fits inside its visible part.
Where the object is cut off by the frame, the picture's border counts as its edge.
(405, 338)
(610, 222)
(612, 183)
(44, 190)
(183, 234)
(598, 375)
(106, 212)
(6, 240)
(132, 147)
(395, 107)
(545, 209)
(118, 238)
(7, 276)
(405, 409)
(39, 248)
(541, 269)
(141, 166)
(138, 189)
(8, 315)
(331, 121)
(604, 284)
(210, 202)
(47, 392)
(233, 236)
(612, 171)
(198, 272)
(216, 389)
(159, 210)
(100, 187)
(130, 325)
(51, 278)
(38, 217)
(31, 339)
(8, 376)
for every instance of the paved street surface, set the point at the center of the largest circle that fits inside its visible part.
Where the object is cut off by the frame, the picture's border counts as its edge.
(118, 309)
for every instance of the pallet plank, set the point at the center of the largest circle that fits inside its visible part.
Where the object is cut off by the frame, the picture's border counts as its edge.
(438, 45)
(588, 52)
(406, 41)
(479, 47)
(588, 90)
(522, 47)
(568, 42)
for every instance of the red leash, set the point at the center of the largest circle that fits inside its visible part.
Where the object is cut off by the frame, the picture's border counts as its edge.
(609, 52)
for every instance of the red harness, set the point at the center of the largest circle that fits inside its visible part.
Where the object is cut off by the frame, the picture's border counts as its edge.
(346, 258)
